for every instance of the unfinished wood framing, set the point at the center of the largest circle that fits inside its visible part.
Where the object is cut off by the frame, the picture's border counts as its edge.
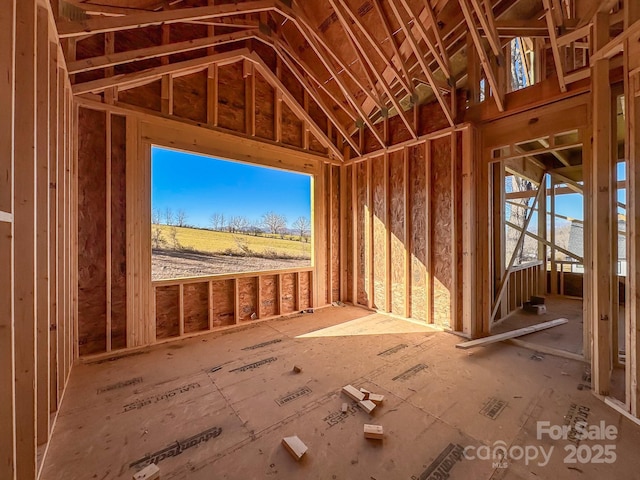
(407, 115)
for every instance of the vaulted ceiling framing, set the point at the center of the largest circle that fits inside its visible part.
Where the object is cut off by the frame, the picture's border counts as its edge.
(362, 62)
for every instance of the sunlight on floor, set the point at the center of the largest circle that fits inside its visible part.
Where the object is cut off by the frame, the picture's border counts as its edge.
(375, 324)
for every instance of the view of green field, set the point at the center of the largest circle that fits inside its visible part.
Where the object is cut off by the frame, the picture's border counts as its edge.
(215, 242)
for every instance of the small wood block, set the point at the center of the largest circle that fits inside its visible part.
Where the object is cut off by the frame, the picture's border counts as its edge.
(345, 408)
(366, 393)
(150, 472)
(296, 369)
(373, 431)
(353, 392)
(376, 398)
(367, 405)
(294, 446)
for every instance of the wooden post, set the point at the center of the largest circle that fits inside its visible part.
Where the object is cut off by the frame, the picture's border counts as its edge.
(53, 224)
(632, 308)
(542, 248)
(407, 233)
(7, 325)
(427, 243)
(344, 218)
(42, 225)
(24, 281)
(388, 287)
(468, 231)
(354, 234)
(498, 223)
(554, 266)
(601, 219)
(368, 235)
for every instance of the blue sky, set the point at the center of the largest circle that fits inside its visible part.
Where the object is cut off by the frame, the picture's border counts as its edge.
(203, 185)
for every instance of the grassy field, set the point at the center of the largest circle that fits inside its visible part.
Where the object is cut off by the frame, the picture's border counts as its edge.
(224, 242)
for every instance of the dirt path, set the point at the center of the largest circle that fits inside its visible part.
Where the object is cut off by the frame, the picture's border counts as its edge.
(170, 264)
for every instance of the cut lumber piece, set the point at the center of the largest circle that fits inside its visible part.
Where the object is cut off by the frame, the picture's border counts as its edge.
(353, 393)
(513, 334)
(296, 369)
(150, 472)
(366, 393)
(373, 431)
(376, 398)
(367, 405)
(344, 408)
(294, 446)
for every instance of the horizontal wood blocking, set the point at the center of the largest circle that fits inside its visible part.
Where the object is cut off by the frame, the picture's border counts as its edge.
(203, 304)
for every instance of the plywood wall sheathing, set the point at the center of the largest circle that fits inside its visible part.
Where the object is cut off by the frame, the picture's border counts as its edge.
(397, 230)
(419, 231)
(248, 293)
(379, 233)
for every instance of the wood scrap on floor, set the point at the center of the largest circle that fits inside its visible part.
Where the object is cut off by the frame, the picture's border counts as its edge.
(375, 432)
(295, 446)
(367, 405)
(353, 393)
(480, 342)
(150, 472)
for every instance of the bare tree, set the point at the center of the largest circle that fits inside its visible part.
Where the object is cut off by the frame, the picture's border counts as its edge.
(157, 238)
(181, 218)
(168, 216)
(255, 228)
(302, 226)
(238, 224)
(274, 222)
(217, 221)
(156, 217)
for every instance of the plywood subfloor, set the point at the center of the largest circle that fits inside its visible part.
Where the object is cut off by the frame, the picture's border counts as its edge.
(567, 337)
(218, 406)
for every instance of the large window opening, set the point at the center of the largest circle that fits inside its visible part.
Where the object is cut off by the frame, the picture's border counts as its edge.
(212, 216)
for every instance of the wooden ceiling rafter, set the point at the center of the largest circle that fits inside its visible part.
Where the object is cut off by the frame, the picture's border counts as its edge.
(358, 51)
(316, 96)
(95, 10)
(142, 77)
(128, 56)
(435, 28)
(423, 64)
(404, 81)
(307, 33)
(380, 78)
(291, 101)
(288, 56)
(497, 92)
(442, 60)
(319, 45)
(553, 38)
(392, 40)
(128, 22)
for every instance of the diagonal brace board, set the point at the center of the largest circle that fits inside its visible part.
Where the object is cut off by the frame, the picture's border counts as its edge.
(480, 342)
(505, 278)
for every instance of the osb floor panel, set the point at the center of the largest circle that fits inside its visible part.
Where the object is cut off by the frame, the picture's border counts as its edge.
(218, 406)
